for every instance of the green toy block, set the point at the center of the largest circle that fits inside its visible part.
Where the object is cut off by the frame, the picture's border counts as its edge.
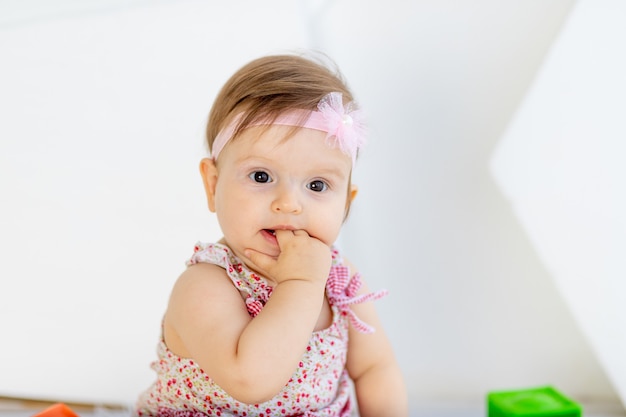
(533, 402)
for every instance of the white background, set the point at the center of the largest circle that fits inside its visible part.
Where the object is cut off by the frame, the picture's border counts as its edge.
(102, 111)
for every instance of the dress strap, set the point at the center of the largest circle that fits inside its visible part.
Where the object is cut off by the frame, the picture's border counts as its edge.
(255, 287)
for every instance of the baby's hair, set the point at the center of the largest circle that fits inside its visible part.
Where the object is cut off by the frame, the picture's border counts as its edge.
(269, 86)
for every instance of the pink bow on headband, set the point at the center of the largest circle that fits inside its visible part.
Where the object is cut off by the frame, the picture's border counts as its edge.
(345, 125)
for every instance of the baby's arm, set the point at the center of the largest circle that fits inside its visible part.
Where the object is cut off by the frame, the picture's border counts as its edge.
(378, 381)
(251, 359)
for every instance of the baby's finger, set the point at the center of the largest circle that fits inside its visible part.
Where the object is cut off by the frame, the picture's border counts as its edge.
(283, 236)
(260, 261)
(283, 232)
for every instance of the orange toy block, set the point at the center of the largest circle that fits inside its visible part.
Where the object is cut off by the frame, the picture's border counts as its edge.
(57, 410)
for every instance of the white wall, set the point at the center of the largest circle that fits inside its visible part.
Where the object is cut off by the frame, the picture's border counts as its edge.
(102, 118)
(477, 309)
(560, 163)
(103, 112)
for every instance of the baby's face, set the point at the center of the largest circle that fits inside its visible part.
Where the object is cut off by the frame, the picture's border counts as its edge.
(266, 182)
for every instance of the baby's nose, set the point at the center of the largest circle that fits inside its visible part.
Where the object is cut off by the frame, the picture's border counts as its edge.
(287, 201)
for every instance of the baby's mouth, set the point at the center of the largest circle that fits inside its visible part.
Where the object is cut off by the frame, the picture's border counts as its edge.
(271, 231)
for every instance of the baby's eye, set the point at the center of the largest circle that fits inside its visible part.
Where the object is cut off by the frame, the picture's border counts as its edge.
(260, 176)
(317, 185)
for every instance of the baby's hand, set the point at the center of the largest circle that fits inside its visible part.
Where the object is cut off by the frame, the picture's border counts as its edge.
(301, 257)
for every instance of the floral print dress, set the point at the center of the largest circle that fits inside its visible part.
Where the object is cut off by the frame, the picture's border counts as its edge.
(320, 385)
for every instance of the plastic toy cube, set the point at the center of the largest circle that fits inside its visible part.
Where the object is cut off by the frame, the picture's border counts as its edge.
(534, 402)
(57, 410)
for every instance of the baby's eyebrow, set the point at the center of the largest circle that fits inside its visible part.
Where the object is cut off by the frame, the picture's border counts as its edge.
(331, 171)
(253, 158)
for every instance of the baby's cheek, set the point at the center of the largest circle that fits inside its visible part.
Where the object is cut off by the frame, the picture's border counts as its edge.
(332, 229)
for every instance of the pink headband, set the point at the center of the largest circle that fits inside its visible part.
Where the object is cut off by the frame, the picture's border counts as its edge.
(345, 126)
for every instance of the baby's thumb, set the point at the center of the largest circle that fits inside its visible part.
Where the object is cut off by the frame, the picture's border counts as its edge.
(260, 261)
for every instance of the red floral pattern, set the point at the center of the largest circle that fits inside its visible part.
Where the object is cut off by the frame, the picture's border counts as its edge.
(320, 386)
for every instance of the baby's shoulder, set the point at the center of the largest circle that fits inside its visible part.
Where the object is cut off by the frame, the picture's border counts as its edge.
(201, 280)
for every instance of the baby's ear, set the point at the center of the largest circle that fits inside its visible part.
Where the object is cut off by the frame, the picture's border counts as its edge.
(208, 170)
(354, 190)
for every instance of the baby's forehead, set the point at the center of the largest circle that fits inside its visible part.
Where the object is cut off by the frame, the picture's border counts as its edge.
(290, 138)
(307, 147)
